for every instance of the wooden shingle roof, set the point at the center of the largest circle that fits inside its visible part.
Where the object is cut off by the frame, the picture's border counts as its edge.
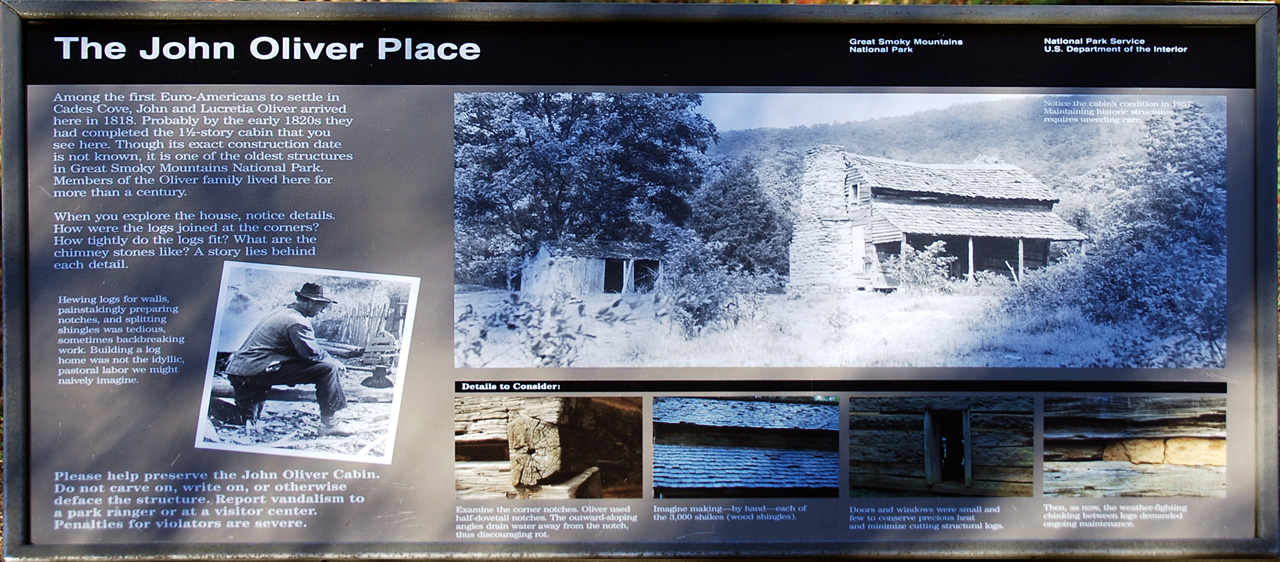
(714, 412)
(675, 466)
(982, 181)
(602, 249)
(982, 221)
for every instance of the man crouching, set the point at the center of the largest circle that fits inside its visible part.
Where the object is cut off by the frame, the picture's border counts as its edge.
(282, 349)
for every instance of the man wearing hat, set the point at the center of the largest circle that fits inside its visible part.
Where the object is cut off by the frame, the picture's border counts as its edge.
(282, 349)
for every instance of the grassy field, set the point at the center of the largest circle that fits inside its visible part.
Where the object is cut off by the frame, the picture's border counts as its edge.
(851, 330)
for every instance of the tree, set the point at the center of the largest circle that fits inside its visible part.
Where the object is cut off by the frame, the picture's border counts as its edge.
(540, 167)
(1164, 244)
(1158, 255)
(733, 216)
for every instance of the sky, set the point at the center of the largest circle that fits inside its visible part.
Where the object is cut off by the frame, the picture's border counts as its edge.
(749, 111)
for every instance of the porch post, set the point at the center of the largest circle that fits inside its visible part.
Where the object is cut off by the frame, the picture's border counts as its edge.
(971, 259)
(1021, 265)
(902, 257)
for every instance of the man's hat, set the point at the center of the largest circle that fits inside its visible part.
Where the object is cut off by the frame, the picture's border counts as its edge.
(313, 292)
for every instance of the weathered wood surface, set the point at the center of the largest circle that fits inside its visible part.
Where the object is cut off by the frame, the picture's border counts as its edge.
(1135, 408)
(904, 470)
(860, 421)
(986, 438)
(918, 404)
(870, 482)
(890, 422)
(1106, 417)
(484, 417)
(1025, 474)
(887, 438)
(1074, 450)
(1004, 456)
(535, 449)
(492, 480)
(574, 435)
(888, 447)
(982, 456)
(1011, 422)
(307, 393)
(898, 438)
(1195, 447)
(548, 441)
(913, 454)
(1125, 479)
(703, 436)
(1080, 429)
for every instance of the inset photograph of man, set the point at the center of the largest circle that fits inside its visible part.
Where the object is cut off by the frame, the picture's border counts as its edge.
(307, 362)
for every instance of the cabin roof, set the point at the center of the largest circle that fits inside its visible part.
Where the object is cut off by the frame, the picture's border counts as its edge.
(678, 466)
(713, 412)
(986, 181)
(601, 249)
(964, 220)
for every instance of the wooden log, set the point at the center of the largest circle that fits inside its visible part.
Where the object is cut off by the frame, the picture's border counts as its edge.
(985, 489)
(1136, 408)
(918, 404)
(875, 422)
(909, 453)
(867, 484)
(342, 350)
(984, 421)
(1074, 451)
(551, 439)
(534, 447)
(307, 393)
(492, 480)
(1024, 474)
(1124, 479)
(708, 436)
(1124, 417)
(886, 438)
(484, 417)
(483, 480)
(1003, 456)
(987, 438)
(906, 470)
(1081, 429)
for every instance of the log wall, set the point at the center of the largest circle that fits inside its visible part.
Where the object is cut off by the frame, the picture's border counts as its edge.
(1136, 446)
(888, 450)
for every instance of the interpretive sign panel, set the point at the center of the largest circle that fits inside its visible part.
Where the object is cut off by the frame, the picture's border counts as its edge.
(425, 281)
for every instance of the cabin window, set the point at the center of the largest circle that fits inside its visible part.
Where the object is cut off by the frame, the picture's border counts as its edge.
(614, 275)
(948, 452)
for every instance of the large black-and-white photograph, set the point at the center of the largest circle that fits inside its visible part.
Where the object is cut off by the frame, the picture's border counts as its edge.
(307, 362)
(860, 230)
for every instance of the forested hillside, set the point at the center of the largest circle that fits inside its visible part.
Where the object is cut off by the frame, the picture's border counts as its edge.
(1011, 131)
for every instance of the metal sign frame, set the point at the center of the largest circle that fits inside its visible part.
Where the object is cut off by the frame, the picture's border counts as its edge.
(20, 19)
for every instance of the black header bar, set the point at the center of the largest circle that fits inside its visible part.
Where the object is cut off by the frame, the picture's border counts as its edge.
(639, 53)
(906, 386)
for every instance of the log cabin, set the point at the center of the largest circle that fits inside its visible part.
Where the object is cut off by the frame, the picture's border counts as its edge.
(857, 211)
